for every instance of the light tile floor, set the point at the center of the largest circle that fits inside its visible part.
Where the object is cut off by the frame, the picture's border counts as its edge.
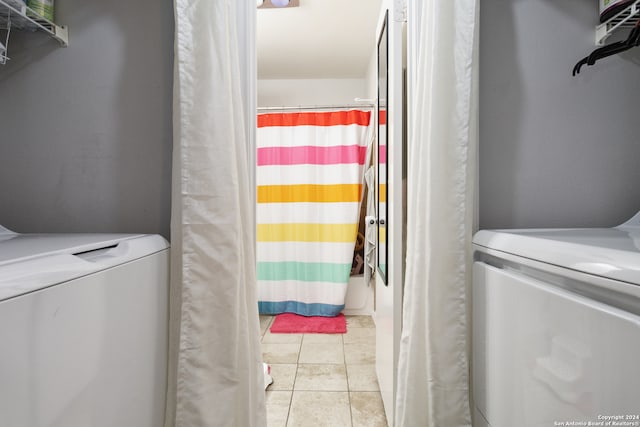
(323, 379)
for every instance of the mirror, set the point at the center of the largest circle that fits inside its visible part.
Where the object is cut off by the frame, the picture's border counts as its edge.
(381, 194)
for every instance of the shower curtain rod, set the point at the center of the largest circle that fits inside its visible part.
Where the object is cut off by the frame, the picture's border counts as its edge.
(316, 107)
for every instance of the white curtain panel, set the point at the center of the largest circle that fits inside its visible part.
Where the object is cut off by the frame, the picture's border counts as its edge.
(215, 373)
(433, 374)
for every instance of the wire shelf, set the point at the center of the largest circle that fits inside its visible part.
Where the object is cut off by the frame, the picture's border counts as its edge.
(624, 19)
(3, 54)
(15, 15)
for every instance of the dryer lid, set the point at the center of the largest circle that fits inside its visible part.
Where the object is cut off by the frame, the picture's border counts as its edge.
(613, 253)
(15, 247)
(30, 262)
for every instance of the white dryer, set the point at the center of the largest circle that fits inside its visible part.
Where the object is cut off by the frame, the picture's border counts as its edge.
(83, 330)
(556, 326)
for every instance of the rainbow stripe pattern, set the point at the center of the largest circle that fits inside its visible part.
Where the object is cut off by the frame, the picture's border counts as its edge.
(309, 186)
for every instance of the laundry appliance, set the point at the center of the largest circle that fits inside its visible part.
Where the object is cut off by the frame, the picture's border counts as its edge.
(556, 326)
(83, 330)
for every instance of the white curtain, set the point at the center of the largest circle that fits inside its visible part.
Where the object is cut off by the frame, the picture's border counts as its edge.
(433, 374)
(215, 373)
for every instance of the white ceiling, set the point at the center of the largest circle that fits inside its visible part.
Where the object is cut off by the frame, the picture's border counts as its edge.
(319, 39)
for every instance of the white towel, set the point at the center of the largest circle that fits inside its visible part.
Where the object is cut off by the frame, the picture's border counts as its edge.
(370, 228)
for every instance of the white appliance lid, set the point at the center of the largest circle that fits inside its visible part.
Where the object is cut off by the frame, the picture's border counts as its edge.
(29, 262)
(613, 253)
(19, 247)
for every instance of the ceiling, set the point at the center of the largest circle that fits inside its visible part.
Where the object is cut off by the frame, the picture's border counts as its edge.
(319, 39)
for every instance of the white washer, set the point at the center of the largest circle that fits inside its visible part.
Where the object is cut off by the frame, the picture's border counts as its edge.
(83, 330)
(556, 326)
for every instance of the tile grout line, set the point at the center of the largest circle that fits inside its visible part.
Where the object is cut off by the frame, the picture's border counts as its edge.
(295, 378)
(293, 387)
(346, 373)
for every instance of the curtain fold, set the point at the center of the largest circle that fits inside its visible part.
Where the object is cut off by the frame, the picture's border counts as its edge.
(215, 363)
(309, 187)
(433, 373)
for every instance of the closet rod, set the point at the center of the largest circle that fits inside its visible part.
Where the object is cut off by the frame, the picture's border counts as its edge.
(316, 107)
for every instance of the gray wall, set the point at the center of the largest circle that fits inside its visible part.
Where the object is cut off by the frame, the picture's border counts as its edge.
(555, 150)
(85, 131)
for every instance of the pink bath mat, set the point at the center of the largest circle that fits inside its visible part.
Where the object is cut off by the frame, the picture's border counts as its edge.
(289, 323)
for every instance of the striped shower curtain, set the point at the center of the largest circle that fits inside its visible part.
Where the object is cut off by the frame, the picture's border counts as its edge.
(309, 178)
